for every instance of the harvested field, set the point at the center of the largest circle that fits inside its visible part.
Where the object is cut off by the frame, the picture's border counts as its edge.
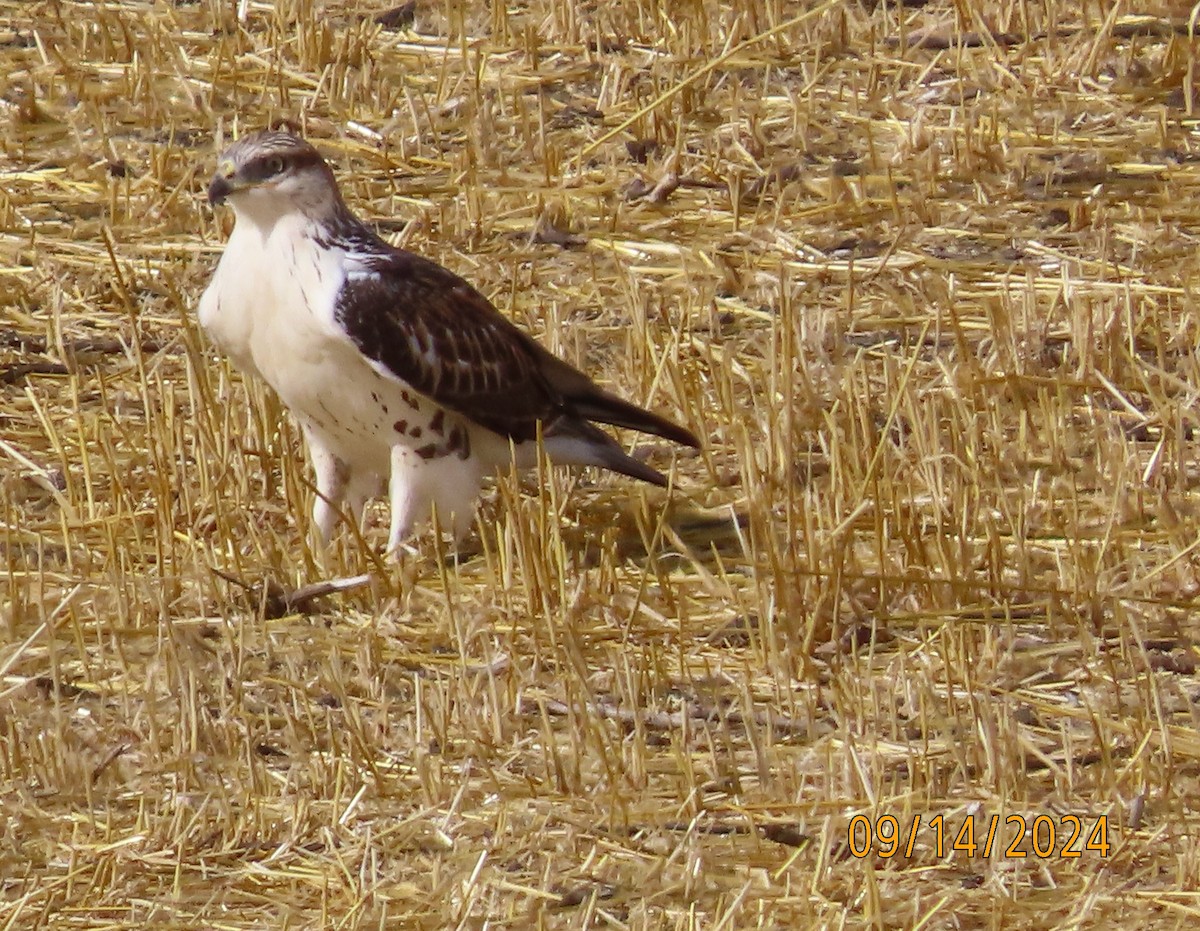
(919, 275)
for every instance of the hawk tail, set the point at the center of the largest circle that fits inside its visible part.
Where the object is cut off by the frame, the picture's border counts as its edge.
(607, 408)
(588, 401)
(577, 442)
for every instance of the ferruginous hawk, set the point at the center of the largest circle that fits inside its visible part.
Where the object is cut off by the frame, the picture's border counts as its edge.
(394, 367)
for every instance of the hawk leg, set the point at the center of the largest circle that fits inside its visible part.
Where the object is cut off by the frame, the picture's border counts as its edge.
(336, 485)
(418, 485)
(408, 502)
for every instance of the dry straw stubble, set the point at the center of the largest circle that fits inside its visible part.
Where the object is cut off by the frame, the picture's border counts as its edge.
(920, 275)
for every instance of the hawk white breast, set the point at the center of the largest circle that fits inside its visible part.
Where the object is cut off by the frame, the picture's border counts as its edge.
(395, 367)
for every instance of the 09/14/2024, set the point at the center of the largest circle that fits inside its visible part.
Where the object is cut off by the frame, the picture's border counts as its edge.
(1016, 836)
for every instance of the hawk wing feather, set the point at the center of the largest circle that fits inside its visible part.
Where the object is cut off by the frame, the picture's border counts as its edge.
(431, 329)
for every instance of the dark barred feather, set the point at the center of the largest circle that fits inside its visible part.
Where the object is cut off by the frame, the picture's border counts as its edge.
(431, 329)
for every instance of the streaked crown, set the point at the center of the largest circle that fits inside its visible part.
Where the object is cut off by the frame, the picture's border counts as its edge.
(263, 158)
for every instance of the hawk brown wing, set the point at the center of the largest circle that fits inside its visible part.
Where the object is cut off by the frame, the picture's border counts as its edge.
(430, 328)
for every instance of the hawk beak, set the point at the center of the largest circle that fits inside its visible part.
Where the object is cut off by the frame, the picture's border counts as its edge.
(224, 183)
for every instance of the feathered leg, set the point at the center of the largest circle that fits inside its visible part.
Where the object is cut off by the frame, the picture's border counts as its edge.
(332, 477)
(417, 486)
(455, 484)
(406, 496)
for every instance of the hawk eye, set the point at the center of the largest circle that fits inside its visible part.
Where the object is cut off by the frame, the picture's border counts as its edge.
(275, 166)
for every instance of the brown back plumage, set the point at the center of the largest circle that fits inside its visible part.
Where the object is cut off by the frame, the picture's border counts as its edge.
(431, 329)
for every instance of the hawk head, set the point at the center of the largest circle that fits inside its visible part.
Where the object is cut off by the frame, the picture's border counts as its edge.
(270, 173)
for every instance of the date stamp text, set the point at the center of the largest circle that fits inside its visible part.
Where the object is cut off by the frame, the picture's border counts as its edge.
(1011, 836)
